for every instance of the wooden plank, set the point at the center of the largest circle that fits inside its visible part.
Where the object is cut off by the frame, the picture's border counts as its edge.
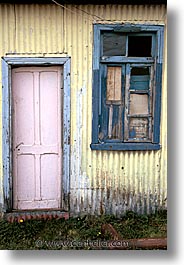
(117, 122)
(157, 104)
(125, 146)
(123, 59)
(117, 84)
(128, 26)
(95, 106)
(96, 48)
(36, 60)
(36, 111)
(6, 135)
(127, 86)
(114, 97)
(113, 83)
(110, 121)
(138, 128)
(114, 44)
(66, 136)
(139, 82)
(110, 83)
(138, 104)
(150, 106)
(133, 243)
(104, 115)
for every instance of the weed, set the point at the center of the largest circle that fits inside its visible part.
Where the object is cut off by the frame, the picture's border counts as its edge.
(24, 235)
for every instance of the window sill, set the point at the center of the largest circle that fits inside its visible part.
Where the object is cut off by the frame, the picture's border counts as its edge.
(125, 146)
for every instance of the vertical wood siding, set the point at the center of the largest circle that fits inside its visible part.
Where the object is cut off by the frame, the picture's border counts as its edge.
(100, 181)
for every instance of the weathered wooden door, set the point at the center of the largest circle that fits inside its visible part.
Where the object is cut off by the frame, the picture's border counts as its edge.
(37, 150)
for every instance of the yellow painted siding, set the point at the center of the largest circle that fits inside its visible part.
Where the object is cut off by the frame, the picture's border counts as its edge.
(101, 181)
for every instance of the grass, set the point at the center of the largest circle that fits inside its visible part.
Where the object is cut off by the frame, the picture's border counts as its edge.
(50, 234)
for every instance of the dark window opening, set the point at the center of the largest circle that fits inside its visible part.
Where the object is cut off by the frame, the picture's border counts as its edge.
(140, 71)
(139, 46)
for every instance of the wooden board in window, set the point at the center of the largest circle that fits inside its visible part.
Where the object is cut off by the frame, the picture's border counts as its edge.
(113, 85)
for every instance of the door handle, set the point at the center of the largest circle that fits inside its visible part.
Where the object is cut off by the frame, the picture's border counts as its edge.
(18, 145)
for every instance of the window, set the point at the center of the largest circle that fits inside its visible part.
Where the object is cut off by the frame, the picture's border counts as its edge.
(127, 74)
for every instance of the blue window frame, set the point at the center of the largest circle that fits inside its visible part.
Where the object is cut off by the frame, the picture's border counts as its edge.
(127, 82)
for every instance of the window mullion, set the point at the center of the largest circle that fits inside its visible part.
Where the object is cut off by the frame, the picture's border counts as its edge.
(150, 132)
(127, 96)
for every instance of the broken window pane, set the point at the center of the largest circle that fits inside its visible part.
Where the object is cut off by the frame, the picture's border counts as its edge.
(114, 44)
(138, 128)
(139, 46)
(138, 104)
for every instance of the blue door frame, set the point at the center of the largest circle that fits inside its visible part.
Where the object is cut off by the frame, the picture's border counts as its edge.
(7, 64)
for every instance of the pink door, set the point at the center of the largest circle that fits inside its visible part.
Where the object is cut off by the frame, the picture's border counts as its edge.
(36, 115)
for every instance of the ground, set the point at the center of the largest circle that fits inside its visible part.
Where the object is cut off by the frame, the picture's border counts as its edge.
(77, 233)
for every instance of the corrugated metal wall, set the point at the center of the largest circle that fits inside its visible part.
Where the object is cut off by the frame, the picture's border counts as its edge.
(101, 181)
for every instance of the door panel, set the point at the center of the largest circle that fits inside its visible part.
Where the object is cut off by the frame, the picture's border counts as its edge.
(48, 110)
(24, 104)
(37, 149)
(49, 168)
(25, 180)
